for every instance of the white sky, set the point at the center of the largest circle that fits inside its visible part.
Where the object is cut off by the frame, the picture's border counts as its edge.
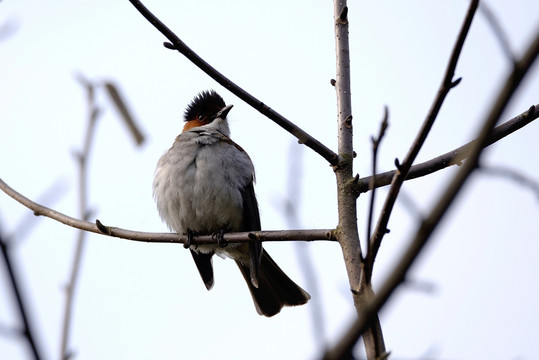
(142, 301)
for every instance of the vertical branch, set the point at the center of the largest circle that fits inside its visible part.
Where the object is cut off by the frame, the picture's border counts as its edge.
(347, 230)
(375, 146)
(291, 211)
(82, 158)
(347, 233)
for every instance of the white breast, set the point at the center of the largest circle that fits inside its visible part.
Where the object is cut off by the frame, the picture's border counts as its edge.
(198, 183)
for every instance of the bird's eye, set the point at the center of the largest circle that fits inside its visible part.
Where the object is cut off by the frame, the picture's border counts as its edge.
(200, 117)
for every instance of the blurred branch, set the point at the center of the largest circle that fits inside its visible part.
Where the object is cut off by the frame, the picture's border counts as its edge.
(126, 115)
(82, 160)
(178, 44)
(498, 31)
(99, 228)
(403, 169)
(453, 157)
(305, 261)
(23, 312)
(429, 224)
(513, 175)
(54, 192)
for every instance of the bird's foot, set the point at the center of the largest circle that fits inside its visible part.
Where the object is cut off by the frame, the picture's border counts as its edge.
(219, 236)
(189, 240)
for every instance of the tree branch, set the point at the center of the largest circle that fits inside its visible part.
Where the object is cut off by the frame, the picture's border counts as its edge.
(453, 157)
(178, 44)
(375, 146)
(450, 158)
(429, 224)
(150, 237)
(82, 161)
(348, 233)
(403, 169)
(27, 328)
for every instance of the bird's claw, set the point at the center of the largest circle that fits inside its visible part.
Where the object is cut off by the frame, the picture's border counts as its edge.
(219, 236)
(189, 240)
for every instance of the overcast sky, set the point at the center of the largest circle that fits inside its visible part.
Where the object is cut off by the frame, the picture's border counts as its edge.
(473, 292)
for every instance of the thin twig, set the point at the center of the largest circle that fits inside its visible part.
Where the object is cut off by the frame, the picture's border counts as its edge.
(178, 44)
(82, 160)
(375, 146)
(453, 157)
(498, 31)
(429, 224)
(302, 250)
(23, 312)
(402, 171)
(126, 114)
(514, 175)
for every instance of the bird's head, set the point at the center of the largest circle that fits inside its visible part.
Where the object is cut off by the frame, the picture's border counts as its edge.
(207, 107)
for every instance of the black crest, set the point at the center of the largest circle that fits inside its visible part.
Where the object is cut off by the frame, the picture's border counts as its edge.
(204, 105)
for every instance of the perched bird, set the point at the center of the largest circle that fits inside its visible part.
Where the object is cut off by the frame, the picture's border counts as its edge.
(204, 186)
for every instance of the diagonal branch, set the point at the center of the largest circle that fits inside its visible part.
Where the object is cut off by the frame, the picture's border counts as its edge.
(453, 157)
(178, 44)
(402, 171)
(23, 312)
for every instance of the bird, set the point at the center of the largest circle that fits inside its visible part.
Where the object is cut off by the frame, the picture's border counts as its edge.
(204, 185)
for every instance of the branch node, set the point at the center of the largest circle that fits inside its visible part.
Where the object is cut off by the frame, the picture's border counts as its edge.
(343, 17)
(455, 83)
(169, 45)
(348, 121)
(104, 229)
(530, 112)
(397, 164)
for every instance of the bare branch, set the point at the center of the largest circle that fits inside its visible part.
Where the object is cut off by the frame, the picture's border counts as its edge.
(284, 235)
(178, 44)
(513, 175)
(120, 103)
(375, 145)
(291, 214)
(428, 225)
(498, 31)
(348, 233)
(82, 161)
(453, 157)
(402, 170)
(21, 307)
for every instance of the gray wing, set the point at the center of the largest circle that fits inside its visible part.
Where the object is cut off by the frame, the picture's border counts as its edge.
(251, 221)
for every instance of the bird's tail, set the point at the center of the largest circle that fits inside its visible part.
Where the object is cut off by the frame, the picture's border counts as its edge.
(275, 289)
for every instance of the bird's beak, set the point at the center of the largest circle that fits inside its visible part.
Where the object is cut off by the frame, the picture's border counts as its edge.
(224, 112)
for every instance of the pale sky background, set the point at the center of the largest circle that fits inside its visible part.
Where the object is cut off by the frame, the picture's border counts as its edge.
(146, 301)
